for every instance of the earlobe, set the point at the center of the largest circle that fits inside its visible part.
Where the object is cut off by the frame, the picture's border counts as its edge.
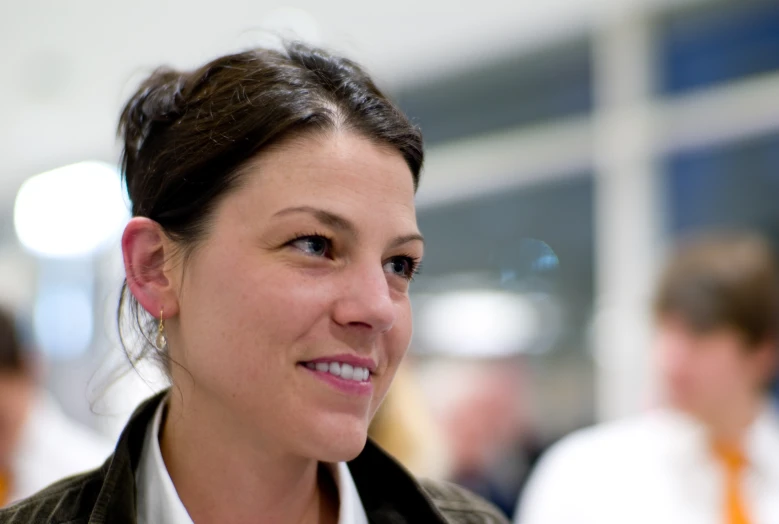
(144, 247)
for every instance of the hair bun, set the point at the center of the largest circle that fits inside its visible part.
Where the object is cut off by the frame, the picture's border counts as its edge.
(158, 101)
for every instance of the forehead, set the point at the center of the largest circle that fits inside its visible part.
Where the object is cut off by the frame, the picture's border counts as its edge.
(337, 166)
(718, 334)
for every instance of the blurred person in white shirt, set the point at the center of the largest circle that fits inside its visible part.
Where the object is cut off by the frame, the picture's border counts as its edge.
(710, 454)
(38, 443)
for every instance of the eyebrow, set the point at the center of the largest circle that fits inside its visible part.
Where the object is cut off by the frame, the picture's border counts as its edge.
(338, 222)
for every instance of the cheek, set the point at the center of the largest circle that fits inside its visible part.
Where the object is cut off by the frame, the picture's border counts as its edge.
(254, 313)
(729, 368)
(396, 343)
(711, 375)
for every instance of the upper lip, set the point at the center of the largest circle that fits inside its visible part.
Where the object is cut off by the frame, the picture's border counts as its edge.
(352, 360)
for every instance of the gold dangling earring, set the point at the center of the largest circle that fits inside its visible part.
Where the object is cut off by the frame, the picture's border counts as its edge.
(161, 341)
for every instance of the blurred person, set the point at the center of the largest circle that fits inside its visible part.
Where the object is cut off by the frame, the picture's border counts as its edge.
(478, 404)
(268, 263)
(710, 454)
(38, 443)
(404, 427)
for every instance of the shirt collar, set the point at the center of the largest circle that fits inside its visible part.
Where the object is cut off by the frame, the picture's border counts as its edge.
(351, 510)
(159, 503)
(690, 444)
(762, 442)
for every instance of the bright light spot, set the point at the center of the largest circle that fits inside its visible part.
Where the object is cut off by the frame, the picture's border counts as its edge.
(479, 323)
(70, 211)
(63, 322)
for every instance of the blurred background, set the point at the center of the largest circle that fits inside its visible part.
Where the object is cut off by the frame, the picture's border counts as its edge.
(569, 143)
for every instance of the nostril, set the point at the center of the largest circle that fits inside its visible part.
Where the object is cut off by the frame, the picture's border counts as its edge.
(360, 324)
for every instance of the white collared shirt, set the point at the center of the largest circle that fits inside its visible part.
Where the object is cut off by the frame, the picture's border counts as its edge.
(159, 503)
(655, 468)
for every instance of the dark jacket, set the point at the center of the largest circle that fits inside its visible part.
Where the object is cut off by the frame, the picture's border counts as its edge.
(107, 495)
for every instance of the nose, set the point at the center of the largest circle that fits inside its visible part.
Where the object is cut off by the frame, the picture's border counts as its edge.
(365, 301)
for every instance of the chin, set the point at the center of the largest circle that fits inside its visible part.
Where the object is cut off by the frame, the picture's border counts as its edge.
(686, 405)
(678, 403)
(337, 440)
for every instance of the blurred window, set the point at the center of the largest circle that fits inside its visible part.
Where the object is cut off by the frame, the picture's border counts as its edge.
(514, 236)
(727, 185)
(535, 243)
(520, 90)
(711, 44)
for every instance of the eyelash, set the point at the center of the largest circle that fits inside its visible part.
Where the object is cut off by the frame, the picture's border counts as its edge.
(414, 263)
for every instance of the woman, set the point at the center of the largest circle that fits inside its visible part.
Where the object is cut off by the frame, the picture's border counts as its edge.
(274, 238)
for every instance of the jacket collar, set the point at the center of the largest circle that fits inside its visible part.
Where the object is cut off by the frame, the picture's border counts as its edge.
(389, 494)
(116, 501)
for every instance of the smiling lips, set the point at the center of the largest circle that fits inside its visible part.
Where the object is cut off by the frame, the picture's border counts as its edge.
(342, 370)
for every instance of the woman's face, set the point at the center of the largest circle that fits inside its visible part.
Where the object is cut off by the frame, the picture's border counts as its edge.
(294, 312)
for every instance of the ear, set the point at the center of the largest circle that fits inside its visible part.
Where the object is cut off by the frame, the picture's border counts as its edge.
(767, 362)
(147, 251)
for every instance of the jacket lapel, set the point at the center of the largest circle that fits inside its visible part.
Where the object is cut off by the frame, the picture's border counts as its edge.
(115, 503)
(389, 494)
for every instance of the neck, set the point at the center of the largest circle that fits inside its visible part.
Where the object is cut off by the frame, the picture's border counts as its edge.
(730, 424)
(224, 475)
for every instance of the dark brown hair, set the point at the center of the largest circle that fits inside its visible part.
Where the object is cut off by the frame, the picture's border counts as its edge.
(188, 134)
(725, 280)
(12, 358)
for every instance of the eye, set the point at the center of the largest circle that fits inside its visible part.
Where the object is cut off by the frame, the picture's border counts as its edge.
(402, 266)
(313, 245)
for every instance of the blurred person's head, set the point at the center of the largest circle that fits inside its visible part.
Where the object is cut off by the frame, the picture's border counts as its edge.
(717, 314)
(479, 407)
(275, 232)
(17, 388)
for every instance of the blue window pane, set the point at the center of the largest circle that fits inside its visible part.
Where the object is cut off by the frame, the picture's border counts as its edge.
(733, 185)
(715, 44)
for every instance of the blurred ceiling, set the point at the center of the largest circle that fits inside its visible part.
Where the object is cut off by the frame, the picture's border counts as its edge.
(67, 66)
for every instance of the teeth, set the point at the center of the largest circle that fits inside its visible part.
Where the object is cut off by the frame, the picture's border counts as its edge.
(345, 371)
